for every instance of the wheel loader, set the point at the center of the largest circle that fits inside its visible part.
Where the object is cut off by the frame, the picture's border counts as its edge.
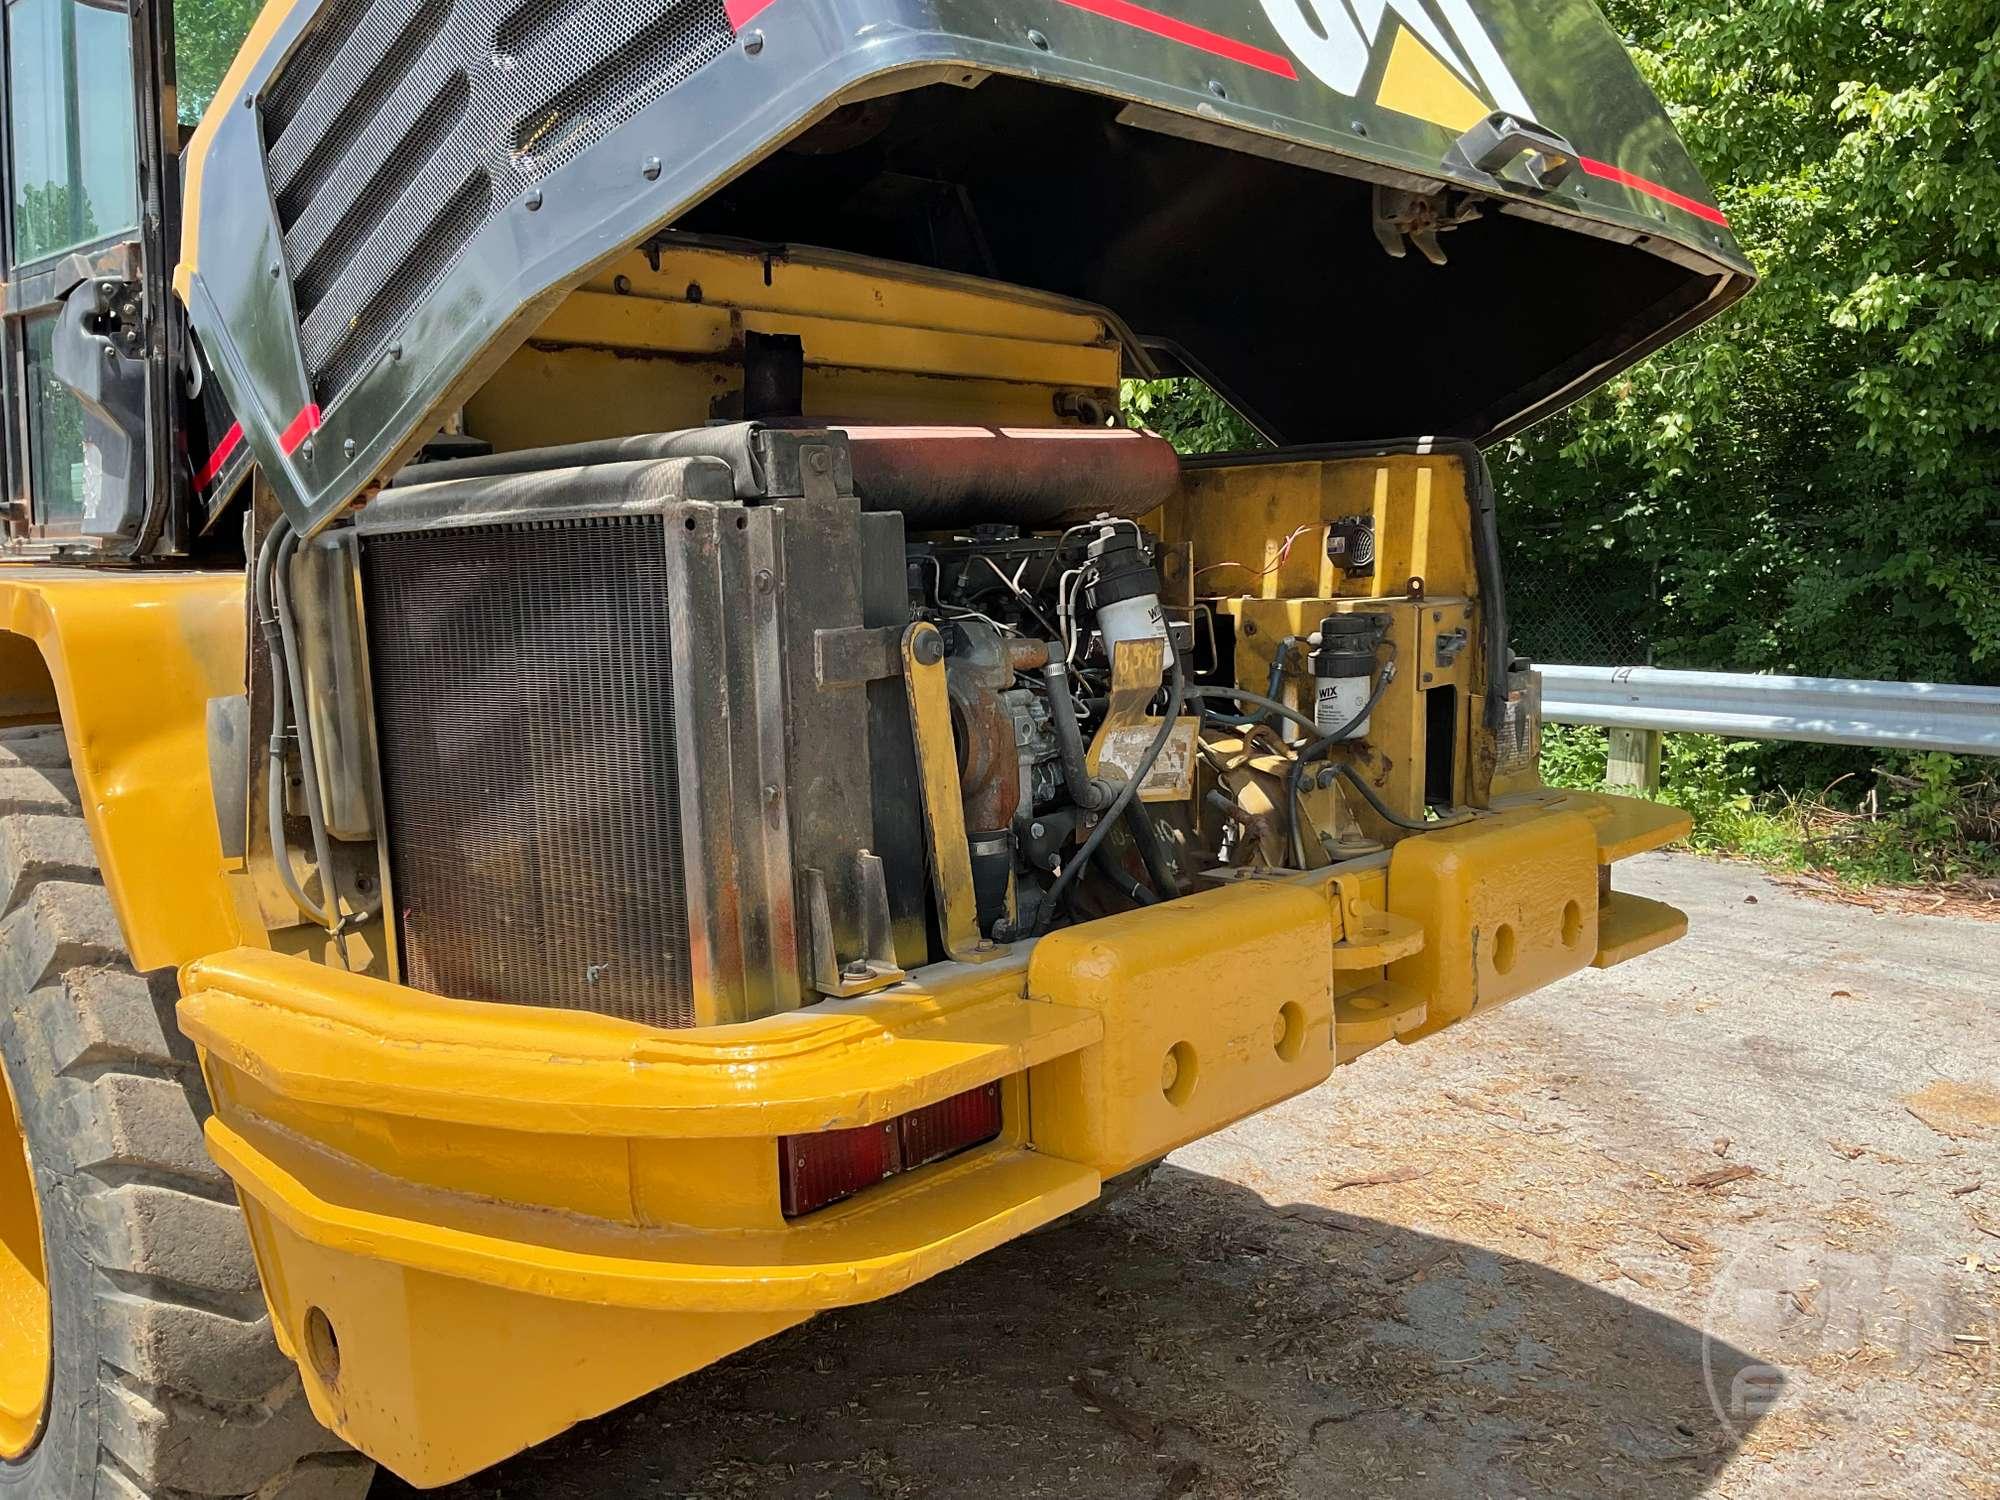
(610, 742)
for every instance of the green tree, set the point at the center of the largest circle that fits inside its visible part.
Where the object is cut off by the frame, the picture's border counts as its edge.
(1816, 477)
(206, 36)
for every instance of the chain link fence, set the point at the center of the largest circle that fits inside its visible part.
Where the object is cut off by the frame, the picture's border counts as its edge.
(1604, 614)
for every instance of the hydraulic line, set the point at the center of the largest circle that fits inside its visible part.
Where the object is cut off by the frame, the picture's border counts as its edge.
(1084, 790)
(271, 590)
(1152, 849)
(1176, 697)
(1272, 704)
(1293, 847)
(274, 649)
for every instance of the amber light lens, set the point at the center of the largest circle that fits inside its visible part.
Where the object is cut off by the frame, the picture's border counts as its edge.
(822, 1168)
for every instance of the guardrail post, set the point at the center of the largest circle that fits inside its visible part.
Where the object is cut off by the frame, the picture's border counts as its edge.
(1634, 759)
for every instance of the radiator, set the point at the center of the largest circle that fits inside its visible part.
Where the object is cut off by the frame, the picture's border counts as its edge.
(583, 716)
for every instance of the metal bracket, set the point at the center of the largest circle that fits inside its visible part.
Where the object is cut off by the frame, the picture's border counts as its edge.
(877, 967)
(1418, 218)
(944, 805)
(1489, 147)
(857, 654)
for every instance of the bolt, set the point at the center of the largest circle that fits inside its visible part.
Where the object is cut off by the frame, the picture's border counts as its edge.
(753, 42)
(858, 969)
(1427, 677)
(622, 285)
(276, 270)
(764, 581)
(306, 449)
(1036, 40)
(1326, 778)
(1249, 627)
(395, 352)
(1437, 614)
(650, 169)
(110, 355)
(1037, 830)
(1215, 87)
(1170, 1071)
(771, 794)
(1358, 128)
(129, 311)
(928, 649)
(347, 447)
(694, 292)
(819, 460)
(533, 200)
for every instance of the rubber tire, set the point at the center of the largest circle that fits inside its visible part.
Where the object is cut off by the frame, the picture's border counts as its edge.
(167, 1382)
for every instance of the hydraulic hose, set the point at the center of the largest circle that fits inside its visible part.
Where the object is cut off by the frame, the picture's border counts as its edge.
(1086, 792)
(274, 650)
(1152, 849)
(1176, 697)
(1271, 685)
(1282, 710)
(1293, 847)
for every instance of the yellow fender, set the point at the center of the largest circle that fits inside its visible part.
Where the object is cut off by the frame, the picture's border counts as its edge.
(127, 662)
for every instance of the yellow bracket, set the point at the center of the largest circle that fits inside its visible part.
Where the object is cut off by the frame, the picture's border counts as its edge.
(944, 799)
(1127, 732)
(1367, 1018)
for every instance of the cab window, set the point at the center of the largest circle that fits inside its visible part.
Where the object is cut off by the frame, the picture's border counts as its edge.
(70, 111)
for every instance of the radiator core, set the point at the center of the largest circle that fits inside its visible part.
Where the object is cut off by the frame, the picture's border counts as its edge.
(525, 712)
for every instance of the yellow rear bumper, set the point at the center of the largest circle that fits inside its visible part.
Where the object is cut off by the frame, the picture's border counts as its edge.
(478, 1224)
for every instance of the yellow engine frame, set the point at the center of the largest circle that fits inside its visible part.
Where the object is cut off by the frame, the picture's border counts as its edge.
(477, 1224)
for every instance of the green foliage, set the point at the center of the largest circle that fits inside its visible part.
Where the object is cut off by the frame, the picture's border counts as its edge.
(206, 36)
(1187, 414)
(1817, 475)
(1937, 817)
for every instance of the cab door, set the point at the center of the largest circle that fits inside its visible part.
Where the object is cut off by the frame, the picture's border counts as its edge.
(94, 348)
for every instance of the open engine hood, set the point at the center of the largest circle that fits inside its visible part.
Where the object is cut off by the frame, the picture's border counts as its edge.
(387, 195)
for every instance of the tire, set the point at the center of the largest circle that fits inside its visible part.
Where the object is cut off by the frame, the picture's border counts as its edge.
(167, 1382)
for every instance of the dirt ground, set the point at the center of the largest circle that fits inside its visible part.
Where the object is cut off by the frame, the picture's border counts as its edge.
(1725, 1220)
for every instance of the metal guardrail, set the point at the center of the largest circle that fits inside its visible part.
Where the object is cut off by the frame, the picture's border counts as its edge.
(1823, 710)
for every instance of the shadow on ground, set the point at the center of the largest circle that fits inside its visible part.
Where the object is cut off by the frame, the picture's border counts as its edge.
(1194, 1340)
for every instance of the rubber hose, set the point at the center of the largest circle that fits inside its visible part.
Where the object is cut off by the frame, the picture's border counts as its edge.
(1176, 697)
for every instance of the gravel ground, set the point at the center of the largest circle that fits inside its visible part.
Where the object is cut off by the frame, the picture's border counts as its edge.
(1725, 1220)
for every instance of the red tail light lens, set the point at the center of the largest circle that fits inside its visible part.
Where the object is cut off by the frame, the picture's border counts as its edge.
(822, 1168)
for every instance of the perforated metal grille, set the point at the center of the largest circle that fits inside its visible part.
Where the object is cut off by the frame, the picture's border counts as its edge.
(396, 131)
(526, 721)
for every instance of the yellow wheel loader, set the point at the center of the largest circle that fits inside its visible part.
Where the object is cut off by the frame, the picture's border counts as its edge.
(608, 741)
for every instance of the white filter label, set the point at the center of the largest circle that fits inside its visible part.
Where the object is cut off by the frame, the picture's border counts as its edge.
(1340, 699)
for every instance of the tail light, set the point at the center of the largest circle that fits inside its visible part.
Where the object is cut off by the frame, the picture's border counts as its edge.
(822, 1168)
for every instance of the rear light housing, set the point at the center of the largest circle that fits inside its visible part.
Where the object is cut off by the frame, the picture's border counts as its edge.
(820, 1169)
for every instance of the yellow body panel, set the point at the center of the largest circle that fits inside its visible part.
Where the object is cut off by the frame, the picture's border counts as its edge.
(591, 1206)
(644, 348)
(130, 661)
(1211, 1012)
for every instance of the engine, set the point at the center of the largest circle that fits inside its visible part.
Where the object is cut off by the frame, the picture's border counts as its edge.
(697, 726)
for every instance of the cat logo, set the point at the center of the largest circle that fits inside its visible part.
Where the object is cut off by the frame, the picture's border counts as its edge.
(1427, 58)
